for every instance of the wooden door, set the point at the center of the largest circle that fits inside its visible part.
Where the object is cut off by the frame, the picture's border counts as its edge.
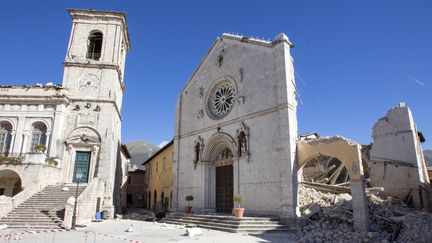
(224, 189)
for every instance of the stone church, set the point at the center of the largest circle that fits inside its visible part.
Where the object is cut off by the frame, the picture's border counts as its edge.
(236, 129)
(50, 133)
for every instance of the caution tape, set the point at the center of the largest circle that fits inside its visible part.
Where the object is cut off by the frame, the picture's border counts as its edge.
(119, 238)
(30, 232)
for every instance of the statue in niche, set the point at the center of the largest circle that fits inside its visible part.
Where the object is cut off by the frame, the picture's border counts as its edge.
(198, 148)
(242, 144)
(243, 140)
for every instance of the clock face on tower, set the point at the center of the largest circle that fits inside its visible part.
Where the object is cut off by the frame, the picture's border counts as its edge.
(88, 83)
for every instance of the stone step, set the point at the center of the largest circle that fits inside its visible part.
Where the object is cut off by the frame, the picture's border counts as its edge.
(232, 220)
(44, 210)
(28, 213)
(243, 230)
(226, 224)
(222, 216)
(229, 223)
(32, 225)
(35, 220)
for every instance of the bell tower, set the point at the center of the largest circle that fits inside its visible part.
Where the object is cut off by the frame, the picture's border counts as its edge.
(95, 57)
(93, 76)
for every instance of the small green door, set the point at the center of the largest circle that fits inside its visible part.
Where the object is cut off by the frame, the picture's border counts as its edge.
(82, 163)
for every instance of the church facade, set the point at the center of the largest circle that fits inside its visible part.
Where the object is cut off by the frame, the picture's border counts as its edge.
(51, 133)
(236, 129)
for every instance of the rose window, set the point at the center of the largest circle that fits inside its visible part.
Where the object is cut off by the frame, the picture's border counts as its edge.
(221, 100)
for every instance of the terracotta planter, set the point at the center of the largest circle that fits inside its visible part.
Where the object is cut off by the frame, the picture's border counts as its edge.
(238, 212)
(188, 209)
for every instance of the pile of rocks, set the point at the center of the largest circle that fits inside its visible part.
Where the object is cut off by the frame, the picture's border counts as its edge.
(140, 214)
(328, 217)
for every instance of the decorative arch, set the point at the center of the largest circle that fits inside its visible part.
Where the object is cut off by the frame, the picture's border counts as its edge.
(84, 135)
(349, 153)
(10, 121)
(39, 135)
(94, 47)
(217, 144)
(31, 122)
(10, 182)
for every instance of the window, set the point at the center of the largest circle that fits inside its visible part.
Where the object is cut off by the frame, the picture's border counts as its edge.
(157, 167)
(5, 137)
(39, 135)
(155, 199)
(94, 48)
(163, 165)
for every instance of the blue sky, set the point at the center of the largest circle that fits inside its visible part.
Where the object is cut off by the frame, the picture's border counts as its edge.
(357, 58)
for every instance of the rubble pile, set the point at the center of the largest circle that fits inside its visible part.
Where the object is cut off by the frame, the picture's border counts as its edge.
(328, 217)
(140, 214)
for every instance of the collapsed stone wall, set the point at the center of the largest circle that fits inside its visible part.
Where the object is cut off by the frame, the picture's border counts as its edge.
(396, 158)
(328, 217)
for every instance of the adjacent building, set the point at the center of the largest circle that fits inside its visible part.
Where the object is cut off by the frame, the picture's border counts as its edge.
(51, 133)
(159, 179)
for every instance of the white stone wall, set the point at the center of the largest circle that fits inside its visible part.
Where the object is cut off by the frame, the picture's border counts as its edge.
(397, 161)
(263, 74)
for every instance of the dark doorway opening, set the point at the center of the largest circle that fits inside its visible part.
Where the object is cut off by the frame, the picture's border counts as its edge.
(224, 189)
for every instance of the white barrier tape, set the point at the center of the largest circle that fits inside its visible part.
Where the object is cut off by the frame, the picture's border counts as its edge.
(119, 238)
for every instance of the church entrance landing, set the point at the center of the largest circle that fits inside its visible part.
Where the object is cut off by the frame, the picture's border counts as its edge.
(224, 189)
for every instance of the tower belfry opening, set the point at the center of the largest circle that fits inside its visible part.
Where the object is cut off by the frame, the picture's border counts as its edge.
(94, 49)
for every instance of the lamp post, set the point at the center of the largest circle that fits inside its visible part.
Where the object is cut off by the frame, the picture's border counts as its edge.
(78, 176)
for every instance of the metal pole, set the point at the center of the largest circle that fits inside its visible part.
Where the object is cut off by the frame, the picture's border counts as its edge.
(75, 206)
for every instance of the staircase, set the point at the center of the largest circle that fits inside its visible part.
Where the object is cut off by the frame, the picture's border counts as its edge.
(44, 210)
(228, 223)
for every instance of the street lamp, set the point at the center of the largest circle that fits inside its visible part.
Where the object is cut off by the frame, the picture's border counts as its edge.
(78, 176)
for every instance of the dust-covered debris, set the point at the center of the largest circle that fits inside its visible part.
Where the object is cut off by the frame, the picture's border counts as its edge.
(390, 219)
(140, 214)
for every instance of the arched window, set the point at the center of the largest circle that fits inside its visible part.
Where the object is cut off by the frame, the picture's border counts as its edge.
(149, 201)
(155, 199)
(39, 135)
(5, 138)
(94, 48)
(162, 202)
(170, 202)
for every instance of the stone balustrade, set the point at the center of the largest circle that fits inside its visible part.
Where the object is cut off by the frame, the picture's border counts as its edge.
(86, 203)
(7, 204)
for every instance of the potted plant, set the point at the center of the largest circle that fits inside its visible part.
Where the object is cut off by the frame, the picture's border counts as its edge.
(189, 198)
(41, 148)
(238, 211)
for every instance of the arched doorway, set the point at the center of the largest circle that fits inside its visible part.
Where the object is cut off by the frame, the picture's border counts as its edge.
(10, 183)
(219, 157)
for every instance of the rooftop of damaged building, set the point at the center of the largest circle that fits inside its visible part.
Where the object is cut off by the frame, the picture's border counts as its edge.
(282, 37)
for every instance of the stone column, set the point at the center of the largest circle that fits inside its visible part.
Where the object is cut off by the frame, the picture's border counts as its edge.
(26, 134)
(360, 204)
(57, 131)
(12, 142)
(18, 141)
(47, 142)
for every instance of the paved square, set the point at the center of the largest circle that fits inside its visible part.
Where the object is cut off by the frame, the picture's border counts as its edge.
(111, 231)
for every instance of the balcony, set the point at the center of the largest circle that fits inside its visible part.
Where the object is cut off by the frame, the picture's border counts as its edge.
(29, 158)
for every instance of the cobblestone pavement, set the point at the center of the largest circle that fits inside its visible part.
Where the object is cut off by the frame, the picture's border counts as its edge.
(111, 231)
